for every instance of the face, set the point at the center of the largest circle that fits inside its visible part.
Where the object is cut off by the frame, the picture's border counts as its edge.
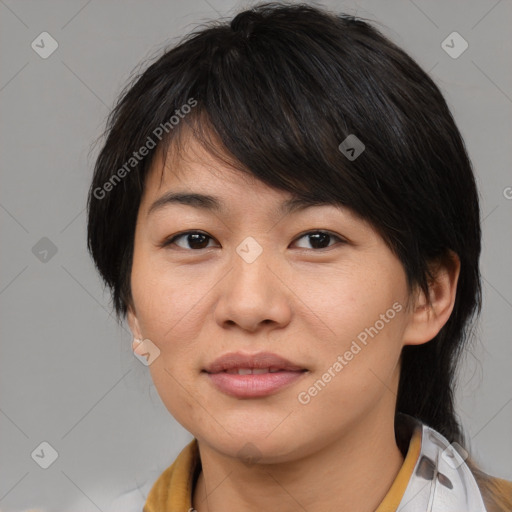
(316, 286)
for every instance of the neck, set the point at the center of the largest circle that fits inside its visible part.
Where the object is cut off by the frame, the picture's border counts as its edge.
(355, 473)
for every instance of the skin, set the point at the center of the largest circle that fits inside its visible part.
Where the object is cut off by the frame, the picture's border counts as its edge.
(304, 303)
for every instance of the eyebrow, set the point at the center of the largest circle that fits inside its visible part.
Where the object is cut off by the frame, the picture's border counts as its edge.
(211, 203)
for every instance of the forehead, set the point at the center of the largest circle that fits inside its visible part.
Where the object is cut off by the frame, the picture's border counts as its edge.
(190, 167)
(213, 181)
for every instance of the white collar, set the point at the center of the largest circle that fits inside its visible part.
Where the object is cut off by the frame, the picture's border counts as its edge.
(441, 480)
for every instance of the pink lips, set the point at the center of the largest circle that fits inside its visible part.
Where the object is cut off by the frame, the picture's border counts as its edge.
(272, 373)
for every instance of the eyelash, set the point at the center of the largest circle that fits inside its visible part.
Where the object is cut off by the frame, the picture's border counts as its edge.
(170, 241)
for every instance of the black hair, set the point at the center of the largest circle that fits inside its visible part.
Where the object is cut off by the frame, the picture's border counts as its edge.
(279, 88)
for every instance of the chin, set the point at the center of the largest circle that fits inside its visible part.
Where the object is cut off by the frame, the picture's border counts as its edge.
(253, 446)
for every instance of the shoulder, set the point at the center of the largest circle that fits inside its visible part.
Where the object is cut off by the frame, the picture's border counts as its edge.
(496, 492)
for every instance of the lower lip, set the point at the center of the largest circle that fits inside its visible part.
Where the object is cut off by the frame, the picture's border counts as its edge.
(253, 385)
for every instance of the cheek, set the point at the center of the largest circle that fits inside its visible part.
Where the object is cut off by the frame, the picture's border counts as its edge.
(365, 316)
(349, 302)
(177, 394)
(356, 377)
(168, 303)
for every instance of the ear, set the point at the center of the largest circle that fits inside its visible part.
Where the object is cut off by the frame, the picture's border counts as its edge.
(133, 322)
(429, 314)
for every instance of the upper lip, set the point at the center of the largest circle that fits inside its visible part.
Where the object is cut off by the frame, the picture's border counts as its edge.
(236, 360)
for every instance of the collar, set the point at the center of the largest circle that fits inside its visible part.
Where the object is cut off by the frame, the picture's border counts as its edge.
(441, 480)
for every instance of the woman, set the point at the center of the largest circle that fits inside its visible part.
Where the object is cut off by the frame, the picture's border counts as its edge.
(287, 217)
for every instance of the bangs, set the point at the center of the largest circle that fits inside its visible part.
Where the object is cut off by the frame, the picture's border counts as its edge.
(278, 117)
(307, 180)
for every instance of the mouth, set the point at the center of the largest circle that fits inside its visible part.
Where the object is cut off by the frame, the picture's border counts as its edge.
(238, 361)
(253, 371)
(252, 375)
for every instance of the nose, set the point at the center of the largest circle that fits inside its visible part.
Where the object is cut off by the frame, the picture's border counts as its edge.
(254, 295)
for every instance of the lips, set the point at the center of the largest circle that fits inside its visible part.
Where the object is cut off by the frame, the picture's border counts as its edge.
(252, 376)
(234, 362)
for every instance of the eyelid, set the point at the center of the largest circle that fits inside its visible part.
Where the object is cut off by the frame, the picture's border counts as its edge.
(169, 240)
(340, 238)
(319, 230)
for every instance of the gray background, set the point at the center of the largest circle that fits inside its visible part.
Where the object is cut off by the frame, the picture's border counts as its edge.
(67, 372)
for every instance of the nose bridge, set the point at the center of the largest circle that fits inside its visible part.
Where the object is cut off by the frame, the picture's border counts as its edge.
(250, 250)
(252, 295)
(251, 269)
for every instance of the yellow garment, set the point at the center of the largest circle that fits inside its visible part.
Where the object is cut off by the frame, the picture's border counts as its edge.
(396, 491)
(173, 490)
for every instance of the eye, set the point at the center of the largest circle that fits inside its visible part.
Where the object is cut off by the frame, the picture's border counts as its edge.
(319, 239)
(194, 239)
(197, 240)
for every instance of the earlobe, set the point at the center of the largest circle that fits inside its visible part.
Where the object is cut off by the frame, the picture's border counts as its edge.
(429, 314)
(133, 323)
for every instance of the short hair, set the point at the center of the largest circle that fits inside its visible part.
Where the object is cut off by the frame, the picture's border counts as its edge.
(276, 90)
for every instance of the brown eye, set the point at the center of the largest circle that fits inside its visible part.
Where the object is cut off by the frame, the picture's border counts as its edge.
(194, 240)
(319, 239)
